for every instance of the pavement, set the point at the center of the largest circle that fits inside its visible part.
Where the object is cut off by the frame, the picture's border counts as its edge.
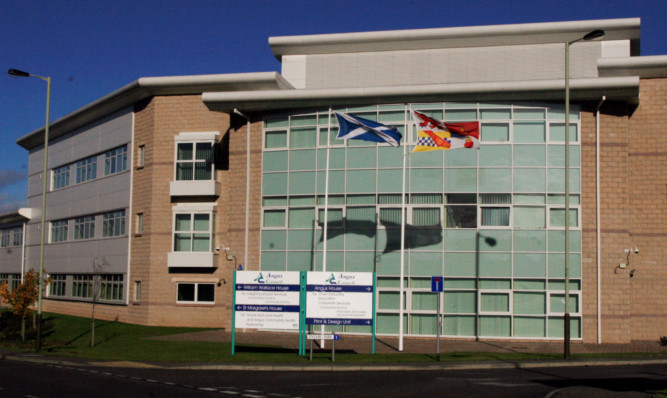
(654, 353)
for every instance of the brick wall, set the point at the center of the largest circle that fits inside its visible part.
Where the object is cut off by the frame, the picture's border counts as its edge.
(633, 203)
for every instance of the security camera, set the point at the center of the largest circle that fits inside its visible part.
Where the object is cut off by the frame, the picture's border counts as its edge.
(636, 250)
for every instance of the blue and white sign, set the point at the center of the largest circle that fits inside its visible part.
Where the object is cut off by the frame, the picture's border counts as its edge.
(437, 284)
(267, 300)
(339, 298)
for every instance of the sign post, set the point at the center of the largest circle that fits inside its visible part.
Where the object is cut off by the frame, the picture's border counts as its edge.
(266, 300)
(340, 298)
(437, 287)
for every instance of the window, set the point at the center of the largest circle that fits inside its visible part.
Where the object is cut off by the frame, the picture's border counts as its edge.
(4, 279)
(196, 293)
(458, 211)
(60, 177)
(137, 291)
(114, 223)
(192, 232)
(59, 231)
(58, 285)
(84, 227)
(86, 169)
(111, 287)
(82, 285)
(4, 240)
(141, 159)
(194, 161)
(18, 236)
(140, 223)
(492, 211)
(115, 160)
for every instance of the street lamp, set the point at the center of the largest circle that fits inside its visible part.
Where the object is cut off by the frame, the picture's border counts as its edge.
(19, 73)
(596, 34)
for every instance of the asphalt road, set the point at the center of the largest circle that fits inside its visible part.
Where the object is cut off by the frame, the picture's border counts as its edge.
(23, 379)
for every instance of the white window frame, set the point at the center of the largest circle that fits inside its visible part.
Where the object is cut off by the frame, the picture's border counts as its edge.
(196, 286)
(194, 138)
(562, 293)
(192, 209)
(509, 294)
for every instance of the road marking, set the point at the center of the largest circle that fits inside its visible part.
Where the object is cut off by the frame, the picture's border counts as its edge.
(229, 392)
(206, 389)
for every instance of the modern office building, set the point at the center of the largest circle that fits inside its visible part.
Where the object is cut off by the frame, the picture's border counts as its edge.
(160, 190)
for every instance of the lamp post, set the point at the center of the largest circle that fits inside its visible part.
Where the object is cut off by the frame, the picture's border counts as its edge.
(596, 34)
(19, 73)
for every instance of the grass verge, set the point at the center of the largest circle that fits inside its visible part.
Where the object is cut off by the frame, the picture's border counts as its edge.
(69, 336)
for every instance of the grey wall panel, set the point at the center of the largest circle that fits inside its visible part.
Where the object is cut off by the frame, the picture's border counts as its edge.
(451, 65)
(10, 260)
(103, 194)
(79, 257)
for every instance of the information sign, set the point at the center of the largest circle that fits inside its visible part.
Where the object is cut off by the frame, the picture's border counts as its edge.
(267, 300)
(339, 298)
(437, 285)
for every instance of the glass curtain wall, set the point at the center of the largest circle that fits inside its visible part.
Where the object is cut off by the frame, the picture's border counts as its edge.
(490, 220)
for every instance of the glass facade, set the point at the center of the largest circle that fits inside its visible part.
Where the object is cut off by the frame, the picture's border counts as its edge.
(490, 220)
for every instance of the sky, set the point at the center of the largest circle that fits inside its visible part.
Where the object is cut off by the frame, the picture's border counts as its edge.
(92, 48)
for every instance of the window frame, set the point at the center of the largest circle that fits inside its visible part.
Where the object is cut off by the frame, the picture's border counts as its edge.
(115, 160)
(86, 169)
(109, 220)
(59, 231)
(195, 300)
(191, 231)
(60, 177)
(193, 161)
(87, 224)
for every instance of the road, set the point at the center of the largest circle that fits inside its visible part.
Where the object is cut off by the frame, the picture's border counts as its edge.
(23, 379)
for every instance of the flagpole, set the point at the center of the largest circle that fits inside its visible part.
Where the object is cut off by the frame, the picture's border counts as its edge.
(325, 227)
(402, 284)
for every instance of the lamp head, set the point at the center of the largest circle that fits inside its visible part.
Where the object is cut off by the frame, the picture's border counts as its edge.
(596, 34)
(18, 73)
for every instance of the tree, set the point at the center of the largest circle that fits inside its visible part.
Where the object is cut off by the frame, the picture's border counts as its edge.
(22, 297)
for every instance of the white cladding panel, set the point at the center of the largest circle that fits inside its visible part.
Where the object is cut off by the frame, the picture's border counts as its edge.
(451, 65)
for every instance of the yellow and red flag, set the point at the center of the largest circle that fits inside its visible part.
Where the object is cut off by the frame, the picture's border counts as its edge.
(433, 134)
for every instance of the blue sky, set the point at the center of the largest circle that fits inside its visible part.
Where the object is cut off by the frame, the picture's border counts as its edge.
(91, 48)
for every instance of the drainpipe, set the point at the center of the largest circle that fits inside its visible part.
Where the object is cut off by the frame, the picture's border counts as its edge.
(23, 252)
(597, 207)
(247, 184)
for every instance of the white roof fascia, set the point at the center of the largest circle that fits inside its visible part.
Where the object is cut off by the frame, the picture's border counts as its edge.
(475, 36)
(581, 89)
(644, 67)
(146, 87)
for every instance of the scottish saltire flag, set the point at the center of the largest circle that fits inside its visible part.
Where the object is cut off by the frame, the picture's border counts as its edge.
(433, 135)
(356, 128)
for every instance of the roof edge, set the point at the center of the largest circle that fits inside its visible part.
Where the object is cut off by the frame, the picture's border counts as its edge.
(619, 87)
(547, 32)
(149, 86)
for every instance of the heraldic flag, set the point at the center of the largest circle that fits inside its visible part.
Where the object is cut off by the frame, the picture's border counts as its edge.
(432, 134)
(353, 127)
